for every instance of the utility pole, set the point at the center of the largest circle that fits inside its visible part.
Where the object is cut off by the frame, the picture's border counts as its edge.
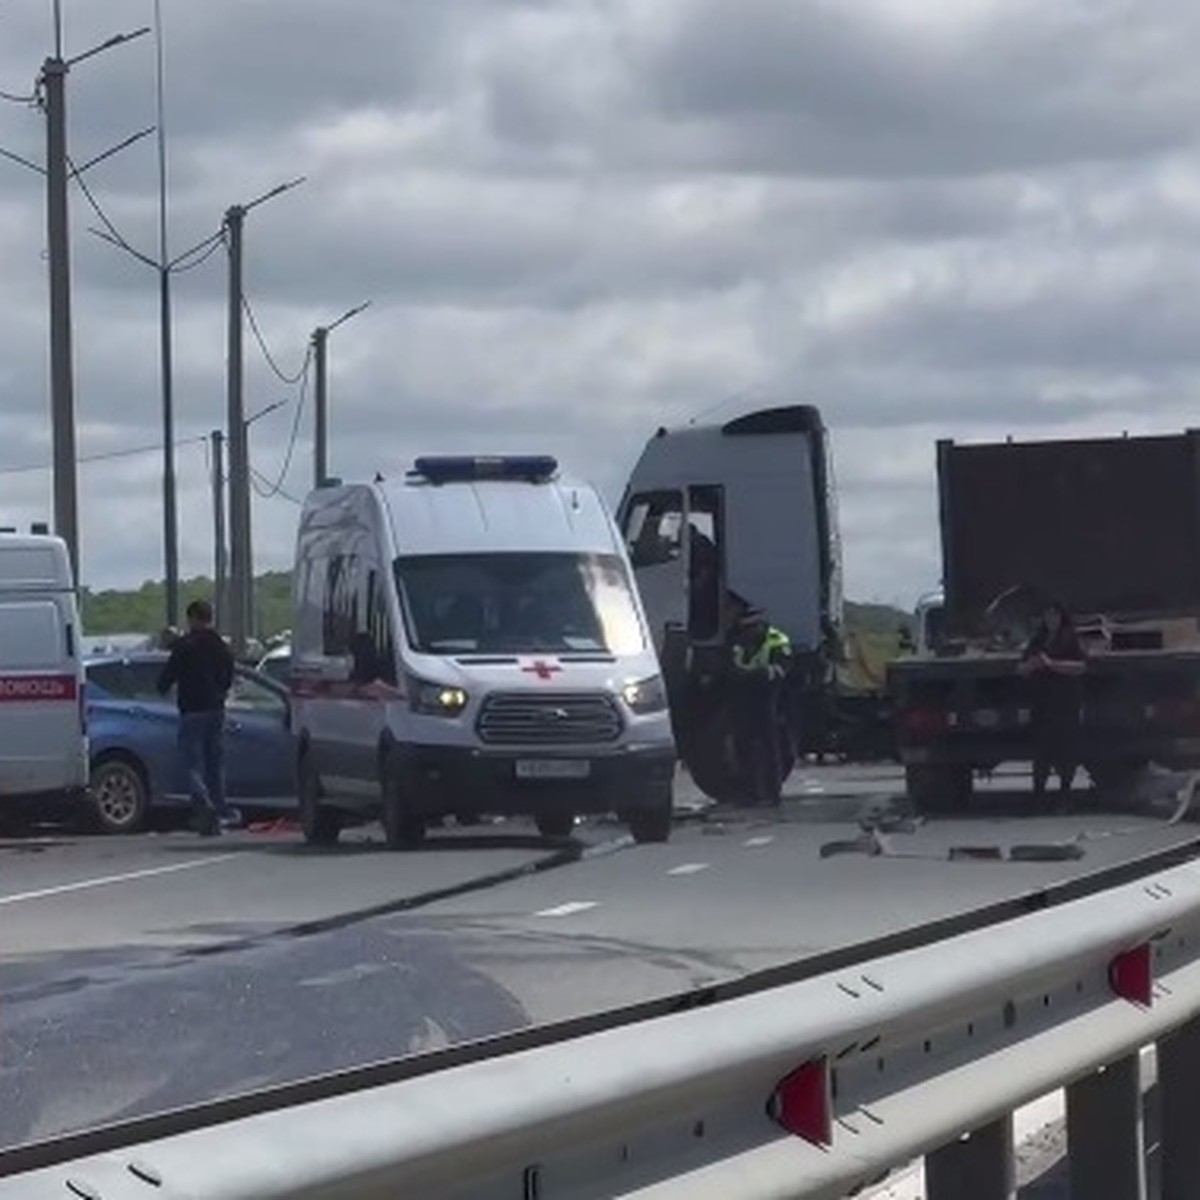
(220, 598)
(58, 244)
(241, 581)
(58, 170)
(170, 510)
(241, 558)
(320, 344)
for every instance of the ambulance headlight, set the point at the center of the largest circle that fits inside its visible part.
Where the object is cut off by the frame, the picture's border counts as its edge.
(436, 699)
(646, 695)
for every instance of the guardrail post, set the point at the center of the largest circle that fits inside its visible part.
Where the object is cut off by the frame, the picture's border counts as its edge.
(1179, 1089)
(979, 1165)
(1105, 1141)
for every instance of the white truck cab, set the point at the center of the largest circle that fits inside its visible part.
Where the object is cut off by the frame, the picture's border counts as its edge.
(43, 733)
(469, 637)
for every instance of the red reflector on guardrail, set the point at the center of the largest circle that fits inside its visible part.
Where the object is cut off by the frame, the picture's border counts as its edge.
(1131, 975)
(803, 1103)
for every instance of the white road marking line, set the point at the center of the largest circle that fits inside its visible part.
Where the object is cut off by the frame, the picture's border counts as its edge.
(568, 909)
(759, 841)
(688, 868)
(104, 880)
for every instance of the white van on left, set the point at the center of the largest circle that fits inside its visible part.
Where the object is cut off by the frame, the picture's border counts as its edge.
(43, 727)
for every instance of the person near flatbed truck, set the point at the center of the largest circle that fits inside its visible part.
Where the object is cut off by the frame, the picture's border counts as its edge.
(760, 659)
(1055, 661)
(201, 668)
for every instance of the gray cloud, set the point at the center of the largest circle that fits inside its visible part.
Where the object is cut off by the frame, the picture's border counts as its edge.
(577, 221)
(876, 89)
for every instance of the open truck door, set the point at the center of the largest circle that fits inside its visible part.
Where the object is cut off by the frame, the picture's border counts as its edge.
(718, 518)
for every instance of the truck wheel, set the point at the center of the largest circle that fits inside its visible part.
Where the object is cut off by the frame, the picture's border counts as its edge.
(556, 825)
(651, 820)
(403, 829)
(938, 788)
(1115, 776)
(711, 763)
(320, 824)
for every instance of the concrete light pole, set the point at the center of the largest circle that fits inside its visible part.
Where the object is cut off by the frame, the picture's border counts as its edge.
(52, 85)
(241, 558)
(320, 342)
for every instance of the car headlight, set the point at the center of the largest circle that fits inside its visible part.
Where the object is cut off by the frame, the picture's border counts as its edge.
(436, 699)
(646, 695)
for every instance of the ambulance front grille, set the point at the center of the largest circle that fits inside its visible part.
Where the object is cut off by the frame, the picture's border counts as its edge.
(549, 719)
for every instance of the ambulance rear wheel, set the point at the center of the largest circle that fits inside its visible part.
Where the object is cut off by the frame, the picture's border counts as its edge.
(403, 827)
(320, 824)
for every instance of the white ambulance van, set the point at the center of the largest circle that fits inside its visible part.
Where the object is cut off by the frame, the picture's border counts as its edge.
(43, 733)
(469, 638)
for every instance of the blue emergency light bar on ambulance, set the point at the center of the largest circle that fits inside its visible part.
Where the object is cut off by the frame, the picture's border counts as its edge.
(464, 468)
(469, 637)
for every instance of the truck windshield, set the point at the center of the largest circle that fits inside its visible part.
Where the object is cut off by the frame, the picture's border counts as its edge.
(519, 603)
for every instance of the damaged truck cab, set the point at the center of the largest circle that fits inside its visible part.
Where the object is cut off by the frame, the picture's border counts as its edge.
(725, 516)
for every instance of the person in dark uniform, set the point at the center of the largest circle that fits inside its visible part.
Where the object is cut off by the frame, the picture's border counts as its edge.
(201, 669)
(760, 661)
(1054, 661)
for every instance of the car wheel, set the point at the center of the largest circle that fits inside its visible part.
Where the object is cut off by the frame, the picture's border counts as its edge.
(320, 824)
(403, 828)
(120, 797)
(556, 824)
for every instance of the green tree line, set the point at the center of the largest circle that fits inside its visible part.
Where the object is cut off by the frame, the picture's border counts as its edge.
(141, 610)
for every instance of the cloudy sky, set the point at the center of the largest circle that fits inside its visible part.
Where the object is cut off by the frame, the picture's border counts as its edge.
(579, 219)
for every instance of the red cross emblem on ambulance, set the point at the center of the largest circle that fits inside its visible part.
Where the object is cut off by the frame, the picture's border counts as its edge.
(542, 670)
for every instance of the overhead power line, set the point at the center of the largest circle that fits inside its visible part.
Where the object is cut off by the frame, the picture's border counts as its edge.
(277, 486)
(268, 491)
(266, 352)
(106, 456)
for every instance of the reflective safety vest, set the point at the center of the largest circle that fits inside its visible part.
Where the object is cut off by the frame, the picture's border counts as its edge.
(769, 655)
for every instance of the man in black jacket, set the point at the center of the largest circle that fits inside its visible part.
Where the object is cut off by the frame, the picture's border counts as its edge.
(200, 669)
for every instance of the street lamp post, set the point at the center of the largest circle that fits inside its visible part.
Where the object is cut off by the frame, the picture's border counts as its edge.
(241, 559)
(320, 340)
(53, 84)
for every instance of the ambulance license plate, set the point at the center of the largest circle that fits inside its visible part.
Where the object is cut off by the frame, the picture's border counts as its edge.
(553, 768)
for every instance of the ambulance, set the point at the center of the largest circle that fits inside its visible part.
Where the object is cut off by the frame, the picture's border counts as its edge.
(468, 637)
(43, 729)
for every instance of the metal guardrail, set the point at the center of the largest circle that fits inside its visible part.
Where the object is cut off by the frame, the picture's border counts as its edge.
(810, 1089)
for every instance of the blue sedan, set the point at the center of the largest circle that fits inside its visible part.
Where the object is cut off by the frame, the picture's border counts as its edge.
(133, 732)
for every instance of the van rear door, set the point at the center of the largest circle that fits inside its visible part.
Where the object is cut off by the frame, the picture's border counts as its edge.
(42, 746)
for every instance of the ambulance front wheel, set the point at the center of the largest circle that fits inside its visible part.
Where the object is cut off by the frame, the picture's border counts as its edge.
(555, 825)
(651, 821)
(403, 827)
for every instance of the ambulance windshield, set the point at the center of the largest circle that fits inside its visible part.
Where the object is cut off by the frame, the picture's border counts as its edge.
(519, 603)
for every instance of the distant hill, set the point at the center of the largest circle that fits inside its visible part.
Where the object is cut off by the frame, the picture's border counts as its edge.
(142, 609)
(876, 618)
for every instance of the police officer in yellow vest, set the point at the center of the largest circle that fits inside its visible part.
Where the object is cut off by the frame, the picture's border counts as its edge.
(761, 654)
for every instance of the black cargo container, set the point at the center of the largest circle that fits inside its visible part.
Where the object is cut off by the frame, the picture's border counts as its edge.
(1109, 526)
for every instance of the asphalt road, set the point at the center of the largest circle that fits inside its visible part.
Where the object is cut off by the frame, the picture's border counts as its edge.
(141, 974)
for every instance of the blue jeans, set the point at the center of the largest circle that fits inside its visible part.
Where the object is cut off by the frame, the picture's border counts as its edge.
(201, 742)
